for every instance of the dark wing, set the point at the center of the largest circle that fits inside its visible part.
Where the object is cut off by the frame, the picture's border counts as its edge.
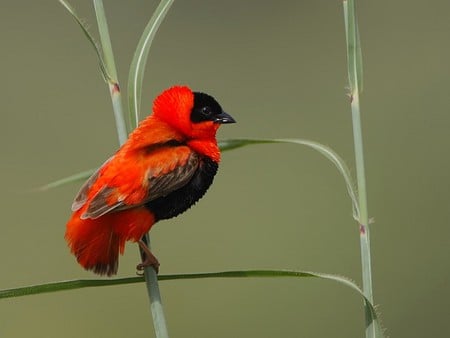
(164, 184)
(137, 183)
(99, 205)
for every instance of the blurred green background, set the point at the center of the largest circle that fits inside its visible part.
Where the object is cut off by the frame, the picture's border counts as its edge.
(279, 67)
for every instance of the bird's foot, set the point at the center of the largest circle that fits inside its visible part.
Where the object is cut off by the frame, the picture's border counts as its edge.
(150, 259)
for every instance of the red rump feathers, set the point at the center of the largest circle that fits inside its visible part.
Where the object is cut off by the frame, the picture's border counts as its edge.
(97, 242)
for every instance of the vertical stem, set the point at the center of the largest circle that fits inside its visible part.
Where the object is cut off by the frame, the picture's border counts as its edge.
(364, 229)
(354, 65)
(151, 278)
(105, 39)
(113, 82)
(116, 99)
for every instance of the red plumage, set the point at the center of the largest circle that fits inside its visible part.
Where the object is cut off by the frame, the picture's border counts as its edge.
(165, 166)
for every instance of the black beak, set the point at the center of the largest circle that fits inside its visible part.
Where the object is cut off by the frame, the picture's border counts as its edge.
(223, 118)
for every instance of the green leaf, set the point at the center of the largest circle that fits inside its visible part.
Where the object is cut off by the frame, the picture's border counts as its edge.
(329, 153)
(137, 67)
(77, 284)
(65, 285)
(105, 40)
(91, 39)
(82, 176)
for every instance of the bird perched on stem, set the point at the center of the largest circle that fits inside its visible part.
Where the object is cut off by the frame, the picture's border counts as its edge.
(166, 166)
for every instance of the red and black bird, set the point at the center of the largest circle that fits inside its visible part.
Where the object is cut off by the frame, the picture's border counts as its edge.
(166, 166)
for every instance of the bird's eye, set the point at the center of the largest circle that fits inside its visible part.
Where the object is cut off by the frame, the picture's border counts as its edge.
(206, 111)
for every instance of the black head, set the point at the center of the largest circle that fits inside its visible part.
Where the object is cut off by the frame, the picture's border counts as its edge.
(206, 108)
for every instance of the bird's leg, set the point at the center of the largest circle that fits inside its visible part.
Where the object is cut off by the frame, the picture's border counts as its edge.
(150, 259)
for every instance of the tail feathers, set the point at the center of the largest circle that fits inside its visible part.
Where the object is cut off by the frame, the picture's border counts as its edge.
(96, 243)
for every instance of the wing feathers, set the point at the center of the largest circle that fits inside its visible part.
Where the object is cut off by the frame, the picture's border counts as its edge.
(138, 180)
(82, 195)
(97, 207)
(164, 184)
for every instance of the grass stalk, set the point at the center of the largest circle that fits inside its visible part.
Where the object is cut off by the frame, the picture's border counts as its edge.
(364, 227)
(355, 80)
(156, 307)
(151, 278)
(113, 82)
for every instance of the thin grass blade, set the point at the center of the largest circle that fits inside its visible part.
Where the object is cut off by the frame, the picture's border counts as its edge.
(103, 68)
(329, 153)
(137, 67)
(78, 284)
(82, 176)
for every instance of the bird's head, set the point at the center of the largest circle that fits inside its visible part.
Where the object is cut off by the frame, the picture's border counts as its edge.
(196, 115)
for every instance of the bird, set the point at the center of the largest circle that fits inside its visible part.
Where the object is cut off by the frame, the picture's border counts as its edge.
(166, 165)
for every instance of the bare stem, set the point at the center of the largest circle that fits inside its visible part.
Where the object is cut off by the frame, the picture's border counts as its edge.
(113, 82)
(151, 279)
(355, 80)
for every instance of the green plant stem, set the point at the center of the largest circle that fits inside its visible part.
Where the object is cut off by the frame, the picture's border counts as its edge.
(362, 196)
(364, 228)
(151, 279)
(113, 82)
(105, 39)
(354, 66)
(156, 308)
(116, 99)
